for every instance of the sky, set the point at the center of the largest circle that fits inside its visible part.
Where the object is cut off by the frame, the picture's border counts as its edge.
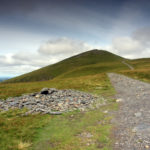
(37, 33)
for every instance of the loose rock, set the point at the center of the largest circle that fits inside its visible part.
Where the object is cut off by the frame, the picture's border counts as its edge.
(138, 114)
(132, 120)
(50, 101)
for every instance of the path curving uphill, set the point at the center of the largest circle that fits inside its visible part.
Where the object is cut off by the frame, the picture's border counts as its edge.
(128, 65)
(133, 118)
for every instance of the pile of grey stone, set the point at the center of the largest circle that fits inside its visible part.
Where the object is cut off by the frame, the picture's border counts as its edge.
(50, 101)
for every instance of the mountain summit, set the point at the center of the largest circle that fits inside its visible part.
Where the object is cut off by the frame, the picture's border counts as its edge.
(90, 62)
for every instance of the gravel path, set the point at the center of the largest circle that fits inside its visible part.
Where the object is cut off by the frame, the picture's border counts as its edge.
(133, 118)
(128, 65)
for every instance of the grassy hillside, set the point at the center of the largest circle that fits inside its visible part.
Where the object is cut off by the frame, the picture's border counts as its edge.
(49, 132)
(85, 72)
(141, 69)
(88, 59)
(96, 84)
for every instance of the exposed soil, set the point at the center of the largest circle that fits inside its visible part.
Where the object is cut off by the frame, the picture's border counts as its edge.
(132, 121)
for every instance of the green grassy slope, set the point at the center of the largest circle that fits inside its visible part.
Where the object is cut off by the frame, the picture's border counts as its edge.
(85, 72)
(62, 132)
(76, 62)
(141, 69)
(92, 83)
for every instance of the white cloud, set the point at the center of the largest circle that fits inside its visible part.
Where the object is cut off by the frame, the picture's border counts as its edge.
(19, 64)
(135, 46)
(63, 46)
(15, 70)
(49, 53)
(126, 46)
(143, 36)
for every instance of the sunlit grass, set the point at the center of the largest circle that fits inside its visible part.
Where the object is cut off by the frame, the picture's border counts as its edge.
(93, 83)
(64, 132)
(23, 145)
(87, 59)
(141, 70)
(16, 131)
(48, 132)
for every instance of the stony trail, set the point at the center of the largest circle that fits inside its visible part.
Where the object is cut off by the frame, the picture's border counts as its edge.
(132, 121)
(128, 65)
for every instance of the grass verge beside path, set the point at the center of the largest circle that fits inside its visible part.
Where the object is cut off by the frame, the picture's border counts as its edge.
(139, 74)
(77, 131)
(141, 69)
(71, 131)
(97, 84)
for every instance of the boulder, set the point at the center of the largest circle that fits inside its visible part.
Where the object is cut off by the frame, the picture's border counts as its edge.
(48, 91)
(44, 91)
(52, 90)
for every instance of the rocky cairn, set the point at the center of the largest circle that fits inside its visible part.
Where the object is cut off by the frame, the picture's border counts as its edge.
(50, 101)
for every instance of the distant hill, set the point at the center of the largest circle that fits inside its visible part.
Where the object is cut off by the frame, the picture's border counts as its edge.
(3, 78)
(90, 62)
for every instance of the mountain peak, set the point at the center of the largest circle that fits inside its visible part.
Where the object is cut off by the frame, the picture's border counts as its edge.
(88, 58)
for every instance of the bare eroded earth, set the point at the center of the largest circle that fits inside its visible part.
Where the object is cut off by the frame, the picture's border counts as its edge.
(132, 121)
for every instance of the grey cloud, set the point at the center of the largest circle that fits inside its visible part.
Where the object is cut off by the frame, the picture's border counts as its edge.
(126, 45)
(5, 61)
(136, 46)
(142, 35)
(58, 49)
(18, 63)
(31, 59)
(15, 70)
(49, 53)
(2, 58)
(18, 6)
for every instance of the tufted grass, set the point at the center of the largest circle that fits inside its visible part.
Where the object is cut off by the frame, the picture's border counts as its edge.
(141, 71)
(65, 132)
(49, 132)
(88, 58)
(97, 84)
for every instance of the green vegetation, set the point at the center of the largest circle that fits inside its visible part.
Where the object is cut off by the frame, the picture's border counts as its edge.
(86, 59)
(17, 131)
(69, 132)
(95, 69)
(63, 132)
(141, 69)
(96, 84)
(85, 72)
